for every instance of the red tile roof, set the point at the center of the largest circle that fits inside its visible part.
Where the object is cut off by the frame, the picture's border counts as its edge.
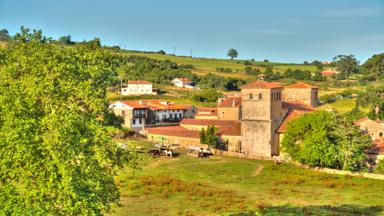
(377, 147)
(231, 102)
(163, 105)
(138, 82)
(173, 131)
(328, 72)
(184, 80)
(300, 85)
(134, 104)
(297, 106)
(262, 84)
(207, 122)
(295, 110)
(358, 122)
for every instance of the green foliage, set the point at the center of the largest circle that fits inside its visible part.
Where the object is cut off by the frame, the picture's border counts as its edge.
(251, 71)
(214, 81)
(4, 35)
(232, 53)
(207, 95)
(380, 167)
(373, 97)
(298, 74)
(224, 70)
(157, 71)
(209, 136)
(327, 140)
(56, 157)
(346, 65)
(65, 40)
(374, 67)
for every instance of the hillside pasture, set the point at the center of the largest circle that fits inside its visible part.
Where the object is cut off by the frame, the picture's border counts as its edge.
(234, 186)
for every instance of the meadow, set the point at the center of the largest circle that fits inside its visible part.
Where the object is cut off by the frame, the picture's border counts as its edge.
(232, 186)
(204, 66)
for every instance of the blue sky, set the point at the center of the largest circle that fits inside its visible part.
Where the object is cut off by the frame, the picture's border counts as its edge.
(278, 30)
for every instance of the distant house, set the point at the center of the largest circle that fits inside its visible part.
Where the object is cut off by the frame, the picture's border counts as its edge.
(182, 83)
(134, 113)
(138, 87)
(373, 128)
(139, 113)
(328, 72)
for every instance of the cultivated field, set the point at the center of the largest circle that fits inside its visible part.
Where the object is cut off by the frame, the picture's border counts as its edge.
(234, 186)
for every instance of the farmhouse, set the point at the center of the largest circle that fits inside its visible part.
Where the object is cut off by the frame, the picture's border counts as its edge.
(373, 128)
(140, 113)
(251, 123)
(182, 83)
(138, 87)
(328, 72)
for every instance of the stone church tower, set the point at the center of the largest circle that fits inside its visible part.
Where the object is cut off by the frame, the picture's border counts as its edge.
(262, 114)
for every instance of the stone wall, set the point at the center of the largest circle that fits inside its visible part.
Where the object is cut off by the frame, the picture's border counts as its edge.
(229, 113)
(182, 141)
(306, 96)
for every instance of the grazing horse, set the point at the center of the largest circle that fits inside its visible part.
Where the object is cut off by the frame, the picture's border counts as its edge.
(154, 152)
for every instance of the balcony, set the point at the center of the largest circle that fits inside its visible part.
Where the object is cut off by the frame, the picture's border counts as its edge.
(139, 115)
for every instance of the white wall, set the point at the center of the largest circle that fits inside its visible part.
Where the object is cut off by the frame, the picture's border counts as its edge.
(166, 114)
(137, 89)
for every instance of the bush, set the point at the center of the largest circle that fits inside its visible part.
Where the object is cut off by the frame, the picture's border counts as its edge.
(326, 140)
(208, 95)
(380, 167)
(224, 70)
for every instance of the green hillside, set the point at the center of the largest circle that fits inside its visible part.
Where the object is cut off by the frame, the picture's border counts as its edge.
(203, 66)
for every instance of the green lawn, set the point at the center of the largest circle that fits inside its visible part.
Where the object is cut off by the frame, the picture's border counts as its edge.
(343, 105)
(230, 186)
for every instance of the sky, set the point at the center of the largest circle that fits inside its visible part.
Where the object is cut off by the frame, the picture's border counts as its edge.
(277, 30)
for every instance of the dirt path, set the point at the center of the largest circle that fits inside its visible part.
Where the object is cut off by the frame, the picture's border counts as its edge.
(258, 170)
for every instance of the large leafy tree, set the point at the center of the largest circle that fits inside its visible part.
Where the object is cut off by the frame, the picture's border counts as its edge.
(232, 53)
(373, 97)
(346, 65)
(209, 136)
(326, 140)
(374, 67)
(55, 155)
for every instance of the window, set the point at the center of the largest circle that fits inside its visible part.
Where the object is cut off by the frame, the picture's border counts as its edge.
(133, 121)
(171, 115)
(380, 134)
(180, 116)
(140, 121)
(260, 96)
(250, 96)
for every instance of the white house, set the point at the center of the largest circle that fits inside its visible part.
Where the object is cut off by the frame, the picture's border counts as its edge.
(182, 82)
(138, 87)
(133, 112)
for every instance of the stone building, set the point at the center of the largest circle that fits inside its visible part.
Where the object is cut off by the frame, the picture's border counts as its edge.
(252, 123)
(301, 93)
(374, 128)
(261, 116)
(229, 108)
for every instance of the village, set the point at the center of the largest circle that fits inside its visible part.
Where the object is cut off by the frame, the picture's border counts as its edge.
(249, 124)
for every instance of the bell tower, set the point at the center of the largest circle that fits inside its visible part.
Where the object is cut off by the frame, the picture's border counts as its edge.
(261, 116)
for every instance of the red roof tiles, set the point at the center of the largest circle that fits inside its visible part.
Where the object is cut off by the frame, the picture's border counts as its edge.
(295, 110)
(328, 72)
(262, 84)
(204, 111)
(134, 104)
(207, 122)
(173, 131)
(377, 147)
(231, 102)
(300, 85)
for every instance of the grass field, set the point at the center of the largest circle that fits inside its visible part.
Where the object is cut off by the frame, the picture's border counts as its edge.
(343, 105)
(209, 65)
(234, 186)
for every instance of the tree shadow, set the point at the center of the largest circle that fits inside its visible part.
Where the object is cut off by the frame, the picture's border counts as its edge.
(316, 210)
